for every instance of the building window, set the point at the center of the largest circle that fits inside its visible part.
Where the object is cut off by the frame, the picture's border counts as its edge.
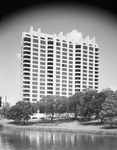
(63, 53)
(70, 46)
(57, 72)
(91, 53)
(58, 43)
(57, 68)
(57, 84)
(78, 51)
(70, 50)
(34, 87)
(84, 47)
(42, 46)
(57, 56)
(64, 69)
(70, 62)
(57, 76)
(63, 57)
(35, 50)
(84, 55)
(42, 75)
(42, 51)
(50, 42)
(34, 79)
(58, 48)
(35, 40)
(64, 45)
(34, 83)
(43, 59)
(57, 60)
(34, 91)
(85, 52)
(35, 62)
(57, 52)
(64, 49)
(90, 48)
(33, 95)
(34, 74)
(42, 92)
(35, 58)
(64, 77)
(64, 73)
(35, 66)
(42, 63)
(43, 42)
(63, 93)
(35, 45)
(78, 46)
(70, 58)
(42, 71)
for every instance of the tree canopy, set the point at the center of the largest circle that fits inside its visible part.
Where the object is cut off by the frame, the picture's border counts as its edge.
(21, 111)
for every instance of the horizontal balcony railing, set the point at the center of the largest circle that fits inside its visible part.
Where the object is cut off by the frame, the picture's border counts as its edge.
(26, 48)
(25, 43)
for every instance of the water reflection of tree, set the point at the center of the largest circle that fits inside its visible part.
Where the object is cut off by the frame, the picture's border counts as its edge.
(26, 140)
(36, 140)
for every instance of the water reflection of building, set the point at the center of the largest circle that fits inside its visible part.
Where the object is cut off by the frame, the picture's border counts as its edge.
(51, 138)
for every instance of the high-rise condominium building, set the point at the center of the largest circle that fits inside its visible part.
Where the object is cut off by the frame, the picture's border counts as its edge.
(57, 64)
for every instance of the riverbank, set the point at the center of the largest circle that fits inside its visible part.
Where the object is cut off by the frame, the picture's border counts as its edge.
(73, 126)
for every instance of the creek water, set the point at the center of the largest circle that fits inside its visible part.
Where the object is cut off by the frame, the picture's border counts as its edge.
(12, 139)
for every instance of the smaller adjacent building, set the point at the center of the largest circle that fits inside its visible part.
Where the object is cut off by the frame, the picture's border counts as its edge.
(3, 102)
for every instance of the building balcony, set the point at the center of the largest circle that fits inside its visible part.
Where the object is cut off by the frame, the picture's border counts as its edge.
(26, 70)
(26, 44)
(26, 74)
(26, 52)
(50, 71)
(26, 95)
(26, 91)
(26, 99)
(50, 55)
(26, 57)
(49, 92)
(26, 48)
(50, 75)
(50, 68)
(50, 42)
(26, 65)
(26, 87)
(49, 88)
(26, 78)
(26, 83)
(97, 49)
(50, 63)
(27, 39)
(50, 51)
(97, 61)
(26, 61)
(50, 47)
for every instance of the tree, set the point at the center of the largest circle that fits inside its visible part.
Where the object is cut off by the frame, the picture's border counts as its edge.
(53, 104)
(89, 104)
(49, 103)
(21, 111)
(61, 104)
(100, 98)
(75, 102)
(109, 107)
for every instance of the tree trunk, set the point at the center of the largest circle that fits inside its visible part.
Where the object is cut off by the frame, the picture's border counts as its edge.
(52, 119)
(24, 122)
(75, 116)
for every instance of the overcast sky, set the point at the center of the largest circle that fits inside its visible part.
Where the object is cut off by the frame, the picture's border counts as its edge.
(52, 19)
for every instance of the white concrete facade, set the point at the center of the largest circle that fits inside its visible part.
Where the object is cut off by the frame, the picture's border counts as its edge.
(57, 65)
